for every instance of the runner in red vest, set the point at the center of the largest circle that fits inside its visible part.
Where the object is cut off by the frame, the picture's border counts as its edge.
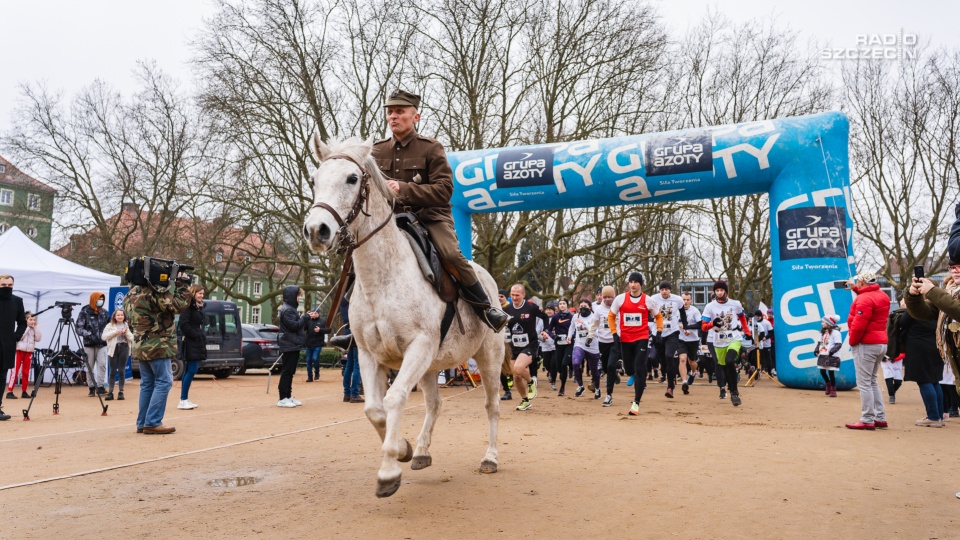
(630, 314)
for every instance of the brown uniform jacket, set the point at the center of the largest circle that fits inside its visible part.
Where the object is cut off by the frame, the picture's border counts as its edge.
(426, 180)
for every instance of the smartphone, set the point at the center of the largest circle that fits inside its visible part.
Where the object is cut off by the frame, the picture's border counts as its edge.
(917, 272)
(841, 285)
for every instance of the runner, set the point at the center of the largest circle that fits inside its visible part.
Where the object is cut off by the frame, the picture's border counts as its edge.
(547, 346)
(762, 330)
(725, 317)
(689, 342)
(586, 349)
(609, 349)
(523, 342)
(630, 312)
(559, 329)
(667, 341)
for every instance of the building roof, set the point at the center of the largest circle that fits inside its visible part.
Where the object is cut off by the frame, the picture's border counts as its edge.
(13, 176)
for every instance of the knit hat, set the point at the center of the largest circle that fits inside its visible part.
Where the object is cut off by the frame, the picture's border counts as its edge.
(831, 320)
(636, 276)
(867, 277)
(665, 285)
(720, 284)
(503, 292)
(758, 313)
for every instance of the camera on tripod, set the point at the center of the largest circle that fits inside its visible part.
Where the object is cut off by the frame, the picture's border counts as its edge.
(66, 309)
(154, 272)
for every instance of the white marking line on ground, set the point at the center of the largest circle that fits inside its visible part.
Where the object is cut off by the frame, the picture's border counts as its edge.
(198, 451)
(177, 418)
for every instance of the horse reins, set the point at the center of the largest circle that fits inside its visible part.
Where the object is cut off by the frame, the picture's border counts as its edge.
(347, 242)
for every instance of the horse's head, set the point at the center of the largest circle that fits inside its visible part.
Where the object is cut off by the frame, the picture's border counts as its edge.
(341, 185)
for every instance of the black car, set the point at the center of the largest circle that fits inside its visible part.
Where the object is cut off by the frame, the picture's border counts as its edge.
(260, 348)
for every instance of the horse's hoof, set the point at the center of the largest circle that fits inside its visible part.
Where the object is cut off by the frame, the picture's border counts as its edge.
(421, 462)
(386, 488)
(409, 455)
(488, 467)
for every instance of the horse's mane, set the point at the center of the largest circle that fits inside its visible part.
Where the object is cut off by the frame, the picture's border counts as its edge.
(359, 150)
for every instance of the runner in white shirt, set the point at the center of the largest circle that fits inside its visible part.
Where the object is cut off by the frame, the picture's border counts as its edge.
(689, 342)
(609, 348)
(586, 348)
(667, 341)
(725, 316)
(761, 330)
(547, 346)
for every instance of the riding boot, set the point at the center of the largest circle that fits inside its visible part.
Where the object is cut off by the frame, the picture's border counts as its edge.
(493, 317)
(344, 342)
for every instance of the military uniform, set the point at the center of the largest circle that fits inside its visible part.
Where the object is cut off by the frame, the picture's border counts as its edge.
(151, 320)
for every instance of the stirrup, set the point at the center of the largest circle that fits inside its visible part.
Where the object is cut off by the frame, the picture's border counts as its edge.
(342, 342)
(495, 318)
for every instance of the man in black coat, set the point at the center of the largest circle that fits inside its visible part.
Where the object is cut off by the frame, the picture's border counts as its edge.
(953, 245)
(13, 323)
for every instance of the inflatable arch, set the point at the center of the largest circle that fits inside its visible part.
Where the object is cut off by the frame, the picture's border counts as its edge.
(802, 163)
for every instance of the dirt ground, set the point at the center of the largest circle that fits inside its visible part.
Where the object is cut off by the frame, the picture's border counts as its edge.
(780, 466)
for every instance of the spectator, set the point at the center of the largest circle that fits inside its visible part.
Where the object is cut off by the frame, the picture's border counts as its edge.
(892, 363)
(351, 369)
(923, 365)
(13, 324)
(291, 339)
(193, 349)
(155, 343)
(25, 348)
(92, 320)
(828, 359)
(316, 337)
(868, 337)
(118, 336)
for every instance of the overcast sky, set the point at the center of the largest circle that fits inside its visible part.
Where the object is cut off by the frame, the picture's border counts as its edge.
(67, 43)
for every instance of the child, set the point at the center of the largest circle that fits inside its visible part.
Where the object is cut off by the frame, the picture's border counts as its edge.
(118, 336)
(24, 358)
(828, 360)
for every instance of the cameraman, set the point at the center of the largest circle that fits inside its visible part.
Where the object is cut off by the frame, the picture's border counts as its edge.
(155, 343)
(92, 320)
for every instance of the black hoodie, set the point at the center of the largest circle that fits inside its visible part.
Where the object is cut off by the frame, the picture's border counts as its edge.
(292, 335)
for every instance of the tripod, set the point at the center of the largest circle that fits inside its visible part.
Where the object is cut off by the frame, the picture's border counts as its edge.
(60, 360)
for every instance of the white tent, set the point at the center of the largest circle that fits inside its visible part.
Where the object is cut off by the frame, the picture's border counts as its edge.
(42, 278)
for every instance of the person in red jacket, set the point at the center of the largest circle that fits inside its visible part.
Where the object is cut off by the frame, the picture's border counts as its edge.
(867, 331)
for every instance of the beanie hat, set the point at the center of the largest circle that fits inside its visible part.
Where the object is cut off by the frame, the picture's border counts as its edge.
(636, 276)
(831, 320)
(720, 284)
(867, 277)
(758, 313)
(503, 292)
(665, 285)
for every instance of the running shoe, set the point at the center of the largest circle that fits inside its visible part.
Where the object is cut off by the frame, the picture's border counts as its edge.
(723, 394)
(532, 389)
(630, 381)
(608, 401)
(620, 370)
(669, 393)
(285, 403)
(635, 409)
(686, 388)
(925, 422)
(185, 404)
(735, 399)
(649, 376)
(580, 391)
(561, 393)
(296, 401)
(553, 386)
(506, 397)
(524, 404)
(596, 394)
(893, 400)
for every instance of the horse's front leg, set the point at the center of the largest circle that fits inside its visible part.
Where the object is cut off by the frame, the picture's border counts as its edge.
(374, 378)
(431, 398)
(416, 360)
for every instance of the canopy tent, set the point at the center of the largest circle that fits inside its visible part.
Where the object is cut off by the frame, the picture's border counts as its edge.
(42, 278)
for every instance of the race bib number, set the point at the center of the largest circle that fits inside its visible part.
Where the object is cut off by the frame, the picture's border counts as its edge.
(605, 325)
(581, 334)
(824, 351)
(725, 336)
(704, 350)
(521, 340)
(562, 339)
(632, 319)
(667, 326)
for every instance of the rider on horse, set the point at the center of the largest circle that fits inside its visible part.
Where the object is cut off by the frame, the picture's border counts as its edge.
(421, 177)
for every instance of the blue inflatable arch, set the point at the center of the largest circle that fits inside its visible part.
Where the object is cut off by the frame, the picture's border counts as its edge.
(802, 163)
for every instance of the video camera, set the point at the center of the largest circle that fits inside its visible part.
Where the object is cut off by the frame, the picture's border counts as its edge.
(66, 308)
(154, 272)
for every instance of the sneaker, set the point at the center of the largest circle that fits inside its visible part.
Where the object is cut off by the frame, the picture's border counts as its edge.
(524, 404)
(101, 390)
(120, 396)
(4, 416)
(881, 424)
(663, 380)
(532, 389)
(561, 393)
(11, 395)
(93, 392)
(580, 391)
(186, 405)
(608, 401)
(723, 394)
(686, 388)
(108, 397)
(860, 425)
(926, 422)
(735, 399)
(24, 395)
(286, 404)
(553, 386)
(669, 393)
(506, 397)
(630, 381)
(634, 409)
(893, 399)
(620, 370)
(649, 377)
(294, 400)
(596, 394)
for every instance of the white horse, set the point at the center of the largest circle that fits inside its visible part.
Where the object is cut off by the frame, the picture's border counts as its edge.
(394, 312)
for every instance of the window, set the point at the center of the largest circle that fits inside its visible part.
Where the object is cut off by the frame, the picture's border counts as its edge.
(231, 322)
(212, 324)
(246, 259)
(32, 232)
(219, 256)
(255, 314)
(227, 284)
(3, 168)
(33, 202)
(6, 197)
(257, 288)
(4, 227)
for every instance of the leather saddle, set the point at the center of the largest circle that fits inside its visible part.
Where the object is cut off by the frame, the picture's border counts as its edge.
(428, 257)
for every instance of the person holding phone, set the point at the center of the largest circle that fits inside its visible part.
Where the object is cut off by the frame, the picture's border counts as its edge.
(867, 332)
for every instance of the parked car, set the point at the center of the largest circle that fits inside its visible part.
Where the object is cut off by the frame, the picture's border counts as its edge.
(221, 322)
(260, 349)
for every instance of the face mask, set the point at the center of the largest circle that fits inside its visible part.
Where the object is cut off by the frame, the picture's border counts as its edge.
(584, 312)
(100, 303)
(6, 292)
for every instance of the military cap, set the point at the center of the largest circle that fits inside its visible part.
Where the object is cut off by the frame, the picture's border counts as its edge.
(402, 98)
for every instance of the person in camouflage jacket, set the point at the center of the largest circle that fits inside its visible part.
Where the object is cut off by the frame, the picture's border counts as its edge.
(151, 315)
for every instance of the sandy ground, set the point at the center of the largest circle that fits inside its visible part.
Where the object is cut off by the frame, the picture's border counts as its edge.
(780, 466)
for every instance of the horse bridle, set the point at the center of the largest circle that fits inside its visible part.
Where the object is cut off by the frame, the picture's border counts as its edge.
(360, 206)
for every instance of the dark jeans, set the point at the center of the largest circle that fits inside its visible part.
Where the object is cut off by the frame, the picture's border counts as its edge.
(313, 362)
(288, 362)
(951, 401)
(116, 364)
(351, 375)
(634, 356)
(190, 370)
(932, 400)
